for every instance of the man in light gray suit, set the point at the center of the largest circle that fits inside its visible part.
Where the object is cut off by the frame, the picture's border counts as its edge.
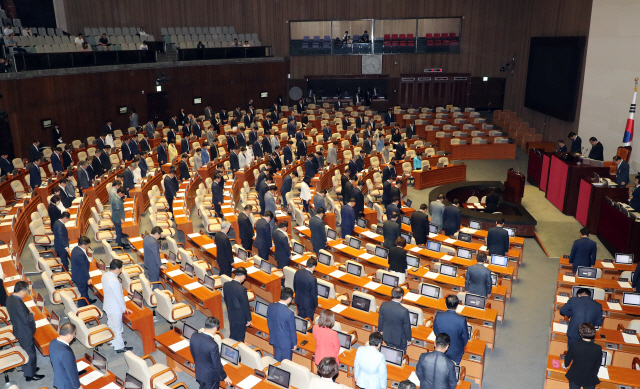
(318, 199)
(437, 210)
(270, 204)
(208, 113)
(84, 177)
(150, 129)
(211, 136)
(152, 261)
(114, 305)
(478, 277)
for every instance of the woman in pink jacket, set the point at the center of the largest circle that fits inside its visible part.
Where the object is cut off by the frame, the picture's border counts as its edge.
(327, 344)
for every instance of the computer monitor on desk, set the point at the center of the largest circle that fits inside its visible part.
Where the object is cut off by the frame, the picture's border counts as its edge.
(390, 280)
(413, 317)
(448, 270)
(132, 383)
(576, 288)
(381, 252)
(355, 243)
(624, 259)
(99, 361)
(433, 246)
(188, 331)
(464, 237)
(603, 362)
(392, 355)
(230, 354)
(137, 299)
(261, 308)
(360, 303)
(298, 248)
(629, 298)
(188, 269)
(379, 230)
(242, 255)
(433, 229)
(362, 223)
(172, 257)
(406, 220)
(301, 325)
(464, 253)
(332, 234)
(344, 340)
(324, 259)
(511, 231)
(587, 272)
(265, 267)
(431, 291)
(278, 376)
(499, 260)
(474, 301)
(494, 279)
(209, 282)
(406, 237)
(408, 203)
(354, 269)
(323, 291)
(413, 261)
(474, 224)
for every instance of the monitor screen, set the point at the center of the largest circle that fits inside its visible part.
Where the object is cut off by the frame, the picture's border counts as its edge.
(469, 330)
(230, 354)
(390, 280)
(476, 225)
(301, 325)
(172, 257)
(603, 362)
(197, 100)
(433, 245)
(137, 299)
(188, 331)
(574, 290)
(379, 230)
(122, 109)
(354, 269)
(209, 282)
(55, 321)
(242, 254)
(448, 270)
(464, 237)
(511, 231)
(265, 267)
(99, 362)
(323, 291)
(414, 318)
(587, 272)
(344, 340)
(408, 203)
(433, 229)
(360, 303)
(499, 260)
(132, 383)
(413, 261)
(430, 291)
(406, 220)
(298, 248)
(278, 376)
(629, 298)
(332, 234)
(494, 279)
(354, 243)
(324, 259)
(474, 301)
(392, 355)
(40, 302)
(188, 269)
(406, 237)
(624, 259)
(464, 253)
(362, 223)
(457, 368)
(370, 204)
(382, 252)
(261, 308)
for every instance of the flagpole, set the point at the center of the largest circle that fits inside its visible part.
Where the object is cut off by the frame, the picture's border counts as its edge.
(628, 131)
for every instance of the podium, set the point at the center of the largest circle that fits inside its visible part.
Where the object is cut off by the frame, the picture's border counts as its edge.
(514, 187)
(588, 208)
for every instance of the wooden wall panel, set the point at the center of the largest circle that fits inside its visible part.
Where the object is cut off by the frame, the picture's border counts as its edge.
(81, 103)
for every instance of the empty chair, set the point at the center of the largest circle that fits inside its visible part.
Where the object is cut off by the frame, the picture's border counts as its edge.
(150, 376)
(172, 312)
(254, 359)
(90, 338)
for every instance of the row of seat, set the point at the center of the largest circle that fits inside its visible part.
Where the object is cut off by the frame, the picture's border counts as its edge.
(111, 31)
(118, 39)
(398, 40)
(40, 31)
(210, 45)
(197, 30)
(178, 38)
(516, 128)
(441, 39)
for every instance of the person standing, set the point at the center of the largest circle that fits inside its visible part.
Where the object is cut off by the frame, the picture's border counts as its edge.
(394, 322)
(492, 201)
(634, 197)
(217, 194)
(246, 228)
(282, 326)
(327, 342)
(348, 218)
(63, 361)
(583, 359)
(622, 171)
(117, 214)
(398, 257)
(80, 262)
(236, 299)
(583, 251)
(61, 239)
(224, 249)
(576, 143)
(434, 369)
(263, 235)
(391, 231)
(597, 150)
(581, 309)
(370, 366)
(114, 305)
(152, 261)
(281, 246)
(24, 328)
(318, 232)
(420, 225)
(478, 277)
(206, 356)
(305, 285)
(455, 326)
(451, 218)
(436, 208)
(171, 186)
(498, 239)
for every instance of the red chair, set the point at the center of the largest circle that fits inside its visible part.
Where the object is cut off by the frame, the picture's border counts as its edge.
(437, 39)
(387, 37)
(403, 40)
(445, 39)
(394, 39)
(453, 38)
(410, 41)
(429, 38)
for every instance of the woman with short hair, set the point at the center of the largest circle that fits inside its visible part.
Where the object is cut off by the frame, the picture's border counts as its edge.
(327, 370)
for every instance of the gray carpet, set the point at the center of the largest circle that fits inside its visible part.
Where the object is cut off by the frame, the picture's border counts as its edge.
(518, 359)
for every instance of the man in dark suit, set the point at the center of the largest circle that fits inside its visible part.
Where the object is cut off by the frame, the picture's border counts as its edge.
(236, 299)
(61, 239)
(356, 193)
(584, 358)
(135, 147)
(309, 167)
(562, 148)
(56, 161)
(411, 130)
(281, 248)
(420, 225)
(583, 251)
(453, 325)
(597, 151)
(84, 177)
(53, 210)
(386, 193)
(248, 119)
(105, 160)
(282, 326)
(171, 134)
(67, 199)
(401, 150)
(287, 184)
(389, 117)
(347, 188)
(67, 159)
(241, 139)
(257, 149)
(267, 122)
(576, 143)
(224, 116)
(318, 232)
(217, 194)
(144, 144)
(206, 356)
(126, 150)
(96, 163)
(291, 128)
(394, 206)
(173, 122)
(288, 153)
(451, 218)
(360, 121)
(246, 228)
(266, 145)
(622, 171)
(263, 188)
(184, 168)
(581, 309)
(391, 231)
(63, 361)
(305, 285)
(34, 151)
(24, 327)
(107, 129)
(141, 161)
(253, 136)
(492, 201)
(353, 168)
(275, 110)
(197, 129)
(162, 153)
(100, 142)
(186, 130)
(498, 239)
(478, 277)
(360, 161)
(171, 186)
(394, 322)
(326, 133)
(263, 235)
(634, 198)
(348, 216)
(225, 251)
(389, 171)
(80, 270)
(301, 149)
(35, 179)
(367, 144)
(185, 146)
(7, 166)
(128, 183)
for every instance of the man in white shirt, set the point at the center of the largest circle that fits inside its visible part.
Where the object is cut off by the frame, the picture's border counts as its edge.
(114, 305)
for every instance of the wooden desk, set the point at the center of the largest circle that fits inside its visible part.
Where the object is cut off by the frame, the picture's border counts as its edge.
(100, 382)
(607, 271)
(555, 377)
(439, 176)
(484, 151)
